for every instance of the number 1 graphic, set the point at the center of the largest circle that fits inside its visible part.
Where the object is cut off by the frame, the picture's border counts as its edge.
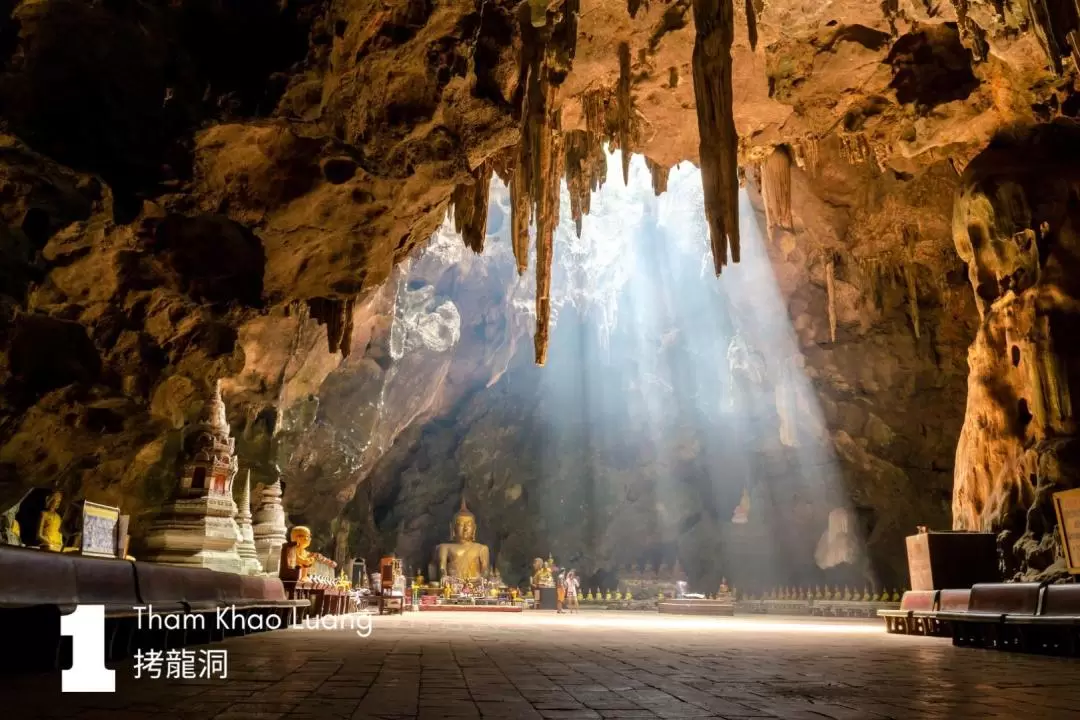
(86, 628)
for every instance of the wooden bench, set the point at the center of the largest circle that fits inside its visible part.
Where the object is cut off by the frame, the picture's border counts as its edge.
(904, 621)
(930, 622)
(982, 624)
(1054, 628)
(41, 586)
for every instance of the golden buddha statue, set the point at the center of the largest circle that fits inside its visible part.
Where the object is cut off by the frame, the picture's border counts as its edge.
(463, 557)
(295, 558)
(49, 536)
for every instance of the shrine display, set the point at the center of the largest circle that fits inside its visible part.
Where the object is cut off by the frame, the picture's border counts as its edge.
(100, 530)
(1067, 508)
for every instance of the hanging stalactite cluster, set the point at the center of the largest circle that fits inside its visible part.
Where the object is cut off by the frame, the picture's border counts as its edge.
(545, 154)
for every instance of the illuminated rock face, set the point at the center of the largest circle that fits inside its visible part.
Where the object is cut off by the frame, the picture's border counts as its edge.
(1016, 225)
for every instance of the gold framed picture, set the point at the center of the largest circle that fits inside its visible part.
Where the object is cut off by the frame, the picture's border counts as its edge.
(1067, 507)
(99, 530)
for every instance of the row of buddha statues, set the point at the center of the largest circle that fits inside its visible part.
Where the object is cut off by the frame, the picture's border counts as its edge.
(828, 594)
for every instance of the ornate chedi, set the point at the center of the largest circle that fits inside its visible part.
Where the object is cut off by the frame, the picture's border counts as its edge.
(249, 559)
(270, 530)
(197, 528)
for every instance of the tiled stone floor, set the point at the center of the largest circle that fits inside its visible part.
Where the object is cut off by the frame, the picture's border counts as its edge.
(592, 665)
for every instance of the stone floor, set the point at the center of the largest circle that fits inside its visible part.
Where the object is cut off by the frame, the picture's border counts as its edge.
(592, 665)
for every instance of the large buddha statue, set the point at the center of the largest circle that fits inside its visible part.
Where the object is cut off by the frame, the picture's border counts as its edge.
(463, 557)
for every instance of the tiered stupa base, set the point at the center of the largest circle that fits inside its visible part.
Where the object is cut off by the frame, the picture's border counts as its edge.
(185, 534)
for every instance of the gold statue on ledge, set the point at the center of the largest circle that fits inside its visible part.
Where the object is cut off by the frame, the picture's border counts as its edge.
(463, 557)
(49, 535)
(295, 558)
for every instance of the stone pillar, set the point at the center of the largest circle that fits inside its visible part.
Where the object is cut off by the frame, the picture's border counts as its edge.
(249, 560)
(270, 530)
(197, 527)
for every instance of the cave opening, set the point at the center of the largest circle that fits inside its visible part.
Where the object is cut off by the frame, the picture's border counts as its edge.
(672, 424)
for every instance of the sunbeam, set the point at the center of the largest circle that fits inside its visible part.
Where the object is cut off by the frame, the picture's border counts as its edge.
(678, 400)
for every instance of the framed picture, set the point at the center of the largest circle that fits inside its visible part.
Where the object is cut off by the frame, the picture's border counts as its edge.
(1067, 505)
(99, 530)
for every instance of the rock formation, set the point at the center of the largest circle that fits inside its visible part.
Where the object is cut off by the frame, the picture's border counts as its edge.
(1015, 225)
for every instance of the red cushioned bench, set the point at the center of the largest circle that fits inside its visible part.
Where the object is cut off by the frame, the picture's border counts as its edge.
(904, 621)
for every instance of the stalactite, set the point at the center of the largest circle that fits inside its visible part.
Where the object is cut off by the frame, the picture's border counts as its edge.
(337, 315)
(830, 287)
(718, 149)
(659, 175)
(913, 296)
(470, 208)
(751, 24)
(549, 54)
(520, 207)
(624, 110)
(776, 187)
(586, 167)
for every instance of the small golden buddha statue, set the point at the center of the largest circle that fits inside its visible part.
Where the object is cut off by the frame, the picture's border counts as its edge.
(296, 560)
(607, 596)
(463, 557)
(629, 596)
(49, 535)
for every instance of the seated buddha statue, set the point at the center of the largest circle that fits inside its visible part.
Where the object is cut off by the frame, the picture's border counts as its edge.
(296, 561)
(463, 557)
(49, 536)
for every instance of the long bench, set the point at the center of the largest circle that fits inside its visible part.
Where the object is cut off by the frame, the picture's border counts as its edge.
(1056, 627)
(37, 587)
(983, 623)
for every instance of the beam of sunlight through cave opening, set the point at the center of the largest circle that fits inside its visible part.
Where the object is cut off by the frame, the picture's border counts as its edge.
(678, 401)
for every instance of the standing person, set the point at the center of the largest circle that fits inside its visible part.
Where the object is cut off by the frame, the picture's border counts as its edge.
(573, 585)
(560, 593)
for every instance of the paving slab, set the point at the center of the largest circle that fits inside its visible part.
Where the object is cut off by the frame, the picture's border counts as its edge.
(590, 665)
